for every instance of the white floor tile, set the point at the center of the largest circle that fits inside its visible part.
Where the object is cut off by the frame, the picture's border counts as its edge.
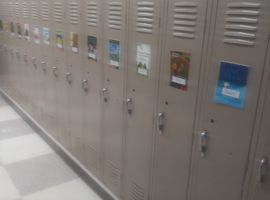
(7, 189)
(21, 148)
(72, 190)
(7, 113)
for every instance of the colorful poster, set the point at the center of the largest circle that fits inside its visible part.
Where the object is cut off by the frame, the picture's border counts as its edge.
(143, 60)
(180, 62)
(1, 25)
(92, 48)
(114, 49)
(26, 32)
(231, 87)
(6, 26)
(19, 28)
(74, 42)
(46, 35)
(36, 34)
(12, 28)
(59, 39)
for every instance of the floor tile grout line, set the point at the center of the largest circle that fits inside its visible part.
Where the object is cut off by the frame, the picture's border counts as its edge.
(70, 162)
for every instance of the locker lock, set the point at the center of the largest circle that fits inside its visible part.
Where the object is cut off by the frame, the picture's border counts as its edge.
(34, 61)
(18, 54)
(55, 72)
(160, 122)
(104, 90)
(263, 163)
(24, 57)
(84, 83)
(202, 145)
(43, 65)
(68, 77)
(129, 102)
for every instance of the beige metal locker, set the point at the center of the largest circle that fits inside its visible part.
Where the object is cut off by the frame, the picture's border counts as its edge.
(74, 44)
(145, 34)
(92, 59)
(183, 41)
(114, 69)
(241, 30)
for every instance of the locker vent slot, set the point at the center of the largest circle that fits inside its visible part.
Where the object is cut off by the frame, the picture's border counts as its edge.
(52, 122)
(58, 12)
(10, 10)
(135, 191)
(4, 9)
(185, 16)
(91, 14)
(112, 173)
(145, 17)
(242, 21)
(77, 145)
(45, 12)
(73, 13)
(17, 10)
(115, 15)
(43, 115)
(93, 158)
(33, 107)
(64, 135)
(34, 11)
(25, 10)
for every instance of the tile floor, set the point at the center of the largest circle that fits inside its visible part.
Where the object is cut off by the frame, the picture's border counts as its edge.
(30, 169)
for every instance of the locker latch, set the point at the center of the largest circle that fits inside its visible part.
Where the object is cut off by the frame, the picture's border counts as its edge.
(25, 57)
(33, 61)
(202, 145)
(129, 110)
(18, 54)
(104, 90)
(43, 65)
(84, 85)
(160, 122)
(55, 72)
(263, 163)
(69, 77)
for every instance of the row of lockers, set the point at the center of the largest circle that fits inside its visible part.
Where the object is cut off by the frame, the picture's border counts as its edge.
(129, 88)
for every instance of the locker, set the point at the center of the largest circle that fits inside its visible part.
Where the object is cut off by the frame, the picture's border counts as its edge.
(183, 41)
(74, 44)
(92, 84)
(114, 70)
(145, 31)
(60, 70)
(240, 31)
(48, 65)
(259, 187)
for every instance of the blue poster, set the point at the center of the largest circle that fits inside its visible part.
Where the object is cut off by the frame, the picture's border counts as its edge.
(231, 87)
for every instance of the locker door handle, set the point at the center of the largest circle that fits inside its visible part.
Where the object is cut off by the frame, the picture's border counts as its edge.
(263, 163)
(55, 72)
(103, 93)
(160, 122)
(68, 77)
(43, 66)
(11, 51)
(24, 57)
(17, 53)
(84, 83)
(129, 102)
(202, 145)
(33, 59)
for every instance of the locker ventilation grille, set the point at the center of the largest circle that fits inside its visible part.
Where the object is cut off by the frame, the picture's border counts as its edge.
(34, 11)
(4, 9)
(52, 123)
(93, 158)
(112, 173)
(17, 10)
(77, 145)
(73, 13)
(10, 10)
(91, 14)
(45, 12)
(25, 10)
(43, 115)
(33, 107)
(145, 15)
(135, 191)
(58, 12)
(64, 134)
(242, 21)
(185, 16)
(115, 15)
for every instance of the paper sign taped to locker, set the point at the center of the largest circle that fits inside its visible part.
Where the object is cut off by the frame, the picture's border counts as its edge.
(114, 53)
(36, 34)
(59, 39)
(74, 42)
(6, 26)
(12, 28)
(232, 81)
(26, 32)
(19, 29)
(92, 48)
(143, 61)
(180, 62)
(46, 36)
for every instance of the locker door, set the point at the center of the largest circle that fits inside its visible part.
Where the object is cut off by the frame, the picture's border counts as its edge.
(74, 43)
(60, 69)
(240, 31)
(48, 65)
(145, 25)
(179, 79)
(114, 69)
(92, 73)
(260, 179)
